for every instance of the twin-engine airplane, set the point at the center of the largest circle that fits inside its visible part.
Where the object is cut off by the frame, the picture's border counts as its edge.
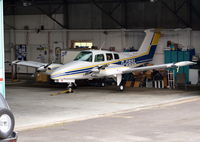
(90, 64)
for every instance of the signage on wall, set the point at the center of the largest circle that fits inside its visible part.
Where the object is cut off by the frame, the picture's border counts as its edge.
(57, 54)
(57, 48)
(41, 52)
(63, 53)
(21, 52)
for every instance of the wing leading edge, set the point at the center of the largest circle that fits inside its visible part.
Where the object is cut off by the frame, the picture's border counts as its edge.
(29, 63)
(40, 66)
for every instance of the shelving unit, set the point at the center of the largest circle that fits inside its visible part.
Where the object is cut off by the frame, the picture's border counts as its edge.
(173, 56)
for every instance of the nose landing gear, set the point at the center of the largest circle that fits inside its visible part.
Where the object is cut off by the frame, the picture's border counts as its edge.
(69, 88)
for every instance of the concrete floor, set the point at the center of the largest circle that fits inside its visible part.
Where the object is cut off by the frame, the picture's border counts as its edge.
(33, 106)
(174, 123)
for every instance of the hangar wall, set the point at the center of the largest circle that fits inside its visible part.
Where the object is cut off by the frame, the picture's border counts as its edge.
(27, 31)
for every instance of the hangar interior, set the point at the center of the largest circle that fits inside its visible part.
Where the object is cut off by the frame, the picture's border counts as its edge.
(56, 31)
(41, 27)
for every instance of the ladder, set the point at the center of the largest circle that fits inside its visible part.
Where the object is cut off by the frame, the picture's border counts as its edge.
(171, 79)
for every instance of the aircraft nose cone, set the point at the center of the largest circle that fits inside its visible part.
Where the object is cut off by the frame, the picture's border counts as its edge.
(52, 75)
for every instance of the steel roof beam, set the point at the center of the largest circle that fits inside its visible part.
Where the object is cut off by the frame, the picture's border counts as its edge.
(175, 13)
(107, 13)
(50, 16)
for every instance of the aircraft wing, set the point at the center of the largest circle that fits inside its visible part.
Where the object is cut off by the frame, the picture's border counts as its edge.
(113, 69)
(169, 65)
(40, 66)
(29, 63)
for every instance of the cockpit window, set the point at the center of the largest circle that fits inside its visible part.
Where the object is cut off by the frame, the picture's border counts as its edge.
(116, 56)
(99, 58)
(109, 56)
(84, 56)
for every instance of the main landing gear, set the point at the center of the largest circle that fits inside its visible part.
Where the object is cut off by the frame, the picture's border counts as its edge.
(120, 83)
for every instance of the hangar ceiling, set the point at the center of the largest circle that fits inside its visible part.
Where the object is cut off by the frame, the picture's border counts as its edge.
(112, 14)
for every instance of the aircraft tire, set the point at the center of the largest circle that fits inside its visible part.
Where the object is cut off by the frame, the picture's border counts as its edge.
(7, 123)
(121, 87)
(70, 90)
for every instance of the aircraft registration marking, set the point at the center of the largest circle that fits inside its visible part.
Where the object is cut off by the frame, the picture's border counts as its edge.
(129, 62)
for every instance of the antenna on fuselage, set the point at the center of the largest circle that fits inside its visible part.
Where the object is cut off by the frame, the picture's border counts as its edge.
(102, 45)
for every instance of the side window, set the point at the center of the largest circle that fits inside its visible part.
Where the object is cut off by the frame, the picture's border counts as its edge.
(109, 56)
(116, 56)
(99, 58)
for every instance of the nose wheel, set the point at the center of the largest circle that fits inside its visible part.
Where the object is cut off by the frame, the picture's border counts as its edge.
(69, 88)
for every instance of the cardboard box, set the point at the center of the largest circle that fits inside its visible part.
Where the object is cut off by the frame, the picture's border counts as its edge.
(128, 84)
(137, 73)
(148, 74)
(165, 81)
(149, 64)
(137, 84)
(42, 77)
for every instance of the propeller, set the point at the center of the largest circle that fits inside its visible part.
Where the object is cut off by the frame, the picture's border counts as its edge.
(102, 67)
(97, 69)
(45, 67)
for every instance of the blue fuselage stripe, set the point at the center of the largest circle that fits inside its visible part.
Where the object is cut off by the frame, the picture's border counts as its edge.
(73, 72)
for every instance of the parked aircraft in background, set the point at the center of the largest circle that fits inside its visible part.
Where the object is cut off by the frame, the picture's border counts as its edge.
(91, 64)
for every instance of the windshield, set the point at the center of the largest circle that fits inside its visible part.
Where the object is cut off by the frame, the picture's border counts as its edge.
(84, 56)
